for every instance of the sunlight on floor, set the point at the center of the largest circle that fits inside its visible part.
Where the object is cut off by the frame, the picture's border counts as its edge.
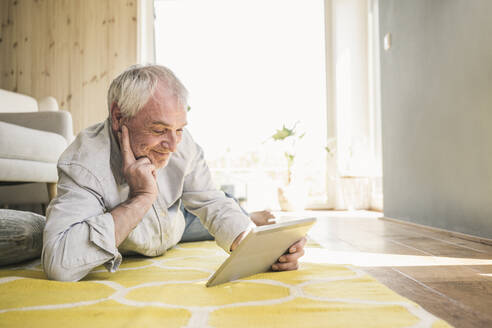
(367, 259)
(285, 216)
(364, 259)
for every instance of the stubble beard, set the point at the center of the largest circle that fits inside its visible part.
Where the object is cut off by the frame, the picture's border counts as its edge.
(162, 163)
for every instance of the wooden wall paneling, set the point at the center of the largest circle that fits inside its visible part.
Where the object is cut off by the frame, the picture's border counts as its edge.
(6, 46)
(70, 37)
(89, 56)
(12, 46)
(69, 49)
(41, 71)
(49, 74)
(124, 34)
(73, 100)
(3, 22)
(36, 60)
(22, 35)
(60, 28)
(3, 41)
(99, 83)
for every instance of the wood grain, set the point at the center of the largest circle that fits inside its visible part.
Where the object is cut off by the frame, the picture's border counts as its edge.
(451, 310)
(68, 49)
(448, 276)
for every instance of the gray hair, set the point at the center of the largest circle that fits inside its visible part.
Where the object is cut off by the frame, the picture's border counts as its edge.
(132, 89)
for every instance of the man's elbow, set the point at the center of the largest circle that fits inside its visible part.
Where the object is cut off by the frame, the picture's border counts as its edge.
(61, 274)
(71, 255)
(51, 260)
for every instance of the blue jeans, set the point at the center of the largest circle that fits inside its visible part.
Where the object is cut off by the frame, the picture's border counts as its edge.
(194, 229)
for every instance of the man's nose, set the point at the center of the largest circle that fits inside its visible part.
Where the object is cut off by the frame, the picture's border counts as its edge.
(171, 141)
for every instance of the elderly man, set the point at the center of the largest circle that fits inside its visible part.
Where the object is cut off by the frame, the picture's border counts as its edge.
(123, 184)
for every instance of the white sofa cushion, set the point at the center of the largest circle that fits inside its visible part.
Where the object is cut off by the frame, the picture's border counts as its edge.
(19, 170)
(12, 102)
(18, 142)
(59, 122)
(48, 104)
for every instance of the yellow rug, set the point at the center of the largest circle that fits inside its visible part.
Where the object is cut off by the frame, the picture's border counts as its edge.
(169, 291)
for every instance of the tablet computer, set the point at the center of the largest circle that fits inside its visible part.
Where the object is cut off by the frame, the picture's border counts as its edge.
(260, 249)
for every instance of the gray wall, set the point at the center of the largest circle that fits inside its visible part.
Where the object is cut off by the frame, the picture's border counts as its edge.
(436, 98)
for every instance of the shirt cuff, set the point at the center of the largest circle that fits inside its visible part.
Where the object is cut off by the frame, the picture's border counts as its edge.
(102, 235)
(226, 236)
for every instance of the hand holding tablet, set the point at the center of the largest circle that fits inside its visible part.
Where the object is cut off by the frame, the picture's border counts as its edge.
(288, 261)
(261, 249)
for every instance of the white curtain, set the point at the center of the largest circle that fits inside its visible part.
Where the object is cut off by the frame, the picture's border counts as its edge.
(354, 165)
(145, 32)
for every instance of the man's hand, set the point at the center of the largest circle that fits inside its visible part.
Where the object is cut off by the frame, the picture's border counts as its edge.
(141, 177)
(288, 261)
(139, 173)
(262, 218)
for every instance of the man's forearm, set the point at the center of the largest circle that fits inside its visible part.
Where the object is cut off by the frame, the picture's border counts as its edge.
(127, 215)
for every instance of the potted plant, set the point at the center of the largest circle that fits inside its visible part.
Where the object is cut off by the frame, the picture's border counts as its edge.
(293, 195)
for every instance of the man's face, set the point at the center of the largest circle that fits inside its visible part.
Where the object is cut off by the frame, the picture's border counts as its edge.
(157, 129)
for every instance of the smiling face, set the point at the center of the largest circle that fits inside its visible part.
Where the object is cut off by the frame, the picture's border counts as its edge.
(156, 130)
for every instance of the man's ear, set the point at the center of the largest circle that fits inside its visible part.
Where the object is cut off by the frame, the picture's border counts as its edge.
(116, 117)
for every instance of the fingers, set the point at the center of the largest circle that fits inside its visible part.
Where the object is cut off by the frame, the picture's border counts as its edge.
(291, 257)
(285, 266)
(145, 165)
(298, 245)
(126, 150)
(288, 261)
(144, 160)
(270, 218)
(262, 218)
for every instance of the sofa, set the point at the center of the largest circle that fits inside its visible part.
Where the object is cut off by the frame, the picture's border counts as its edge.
(33, 135)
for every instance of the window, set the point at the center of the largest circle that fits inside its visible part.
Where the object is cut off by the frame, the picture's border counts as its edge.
(251, 67)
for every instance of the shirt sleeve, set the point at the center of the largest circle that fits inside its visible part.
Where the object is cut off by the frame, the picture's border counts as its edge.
(79, 233)
(221, 215)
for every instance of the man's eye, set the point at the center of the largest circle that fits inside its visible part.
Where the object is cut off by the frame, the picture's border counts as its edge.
(160, 131)
(179, 130)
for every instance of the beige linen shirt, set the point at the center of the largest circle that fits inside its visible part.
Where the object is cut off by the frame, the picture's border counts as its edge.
(79, 233)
